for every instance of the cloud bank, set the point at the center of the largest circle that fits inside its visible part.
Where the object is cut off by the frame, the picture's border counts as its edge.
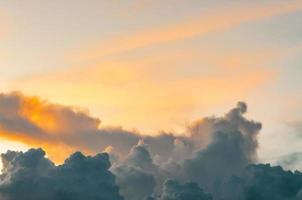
(214, 159)
(31, 176)
(61, 130)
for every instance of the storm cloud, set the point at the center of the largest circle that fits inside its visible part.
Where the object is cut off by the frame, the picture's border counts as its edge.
(214, 157)
(233, 146)
(263, 182)
(31, 176)
(136, 173)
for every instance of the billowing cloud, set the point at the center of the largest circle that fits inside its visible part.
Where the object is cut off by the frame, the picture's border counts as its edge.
(233, 144)
(216, 149)
(31, 176)
(211, 160)
(136, 174)
(61, 130)
(64, 129)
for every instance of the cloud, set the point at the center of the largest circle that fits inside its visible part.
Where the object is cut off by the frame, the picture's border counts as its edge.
(291, 161)
(136, 174)
(135, 184)
(231, 143)
(173, 190)
(263, 182)
(61, 130)
(296, 126)
(38, 123)
(206, 23)
(126, 103)
(31, 176)
(232, 146)
(214, 158)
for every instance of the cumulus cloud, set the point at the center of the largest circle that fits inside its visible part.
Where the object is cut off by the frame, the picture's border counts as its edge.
(232, 144)
(136, 174)
(31, 176)
(173, 190)
(264, 182)
(202, 130)
(211, 160)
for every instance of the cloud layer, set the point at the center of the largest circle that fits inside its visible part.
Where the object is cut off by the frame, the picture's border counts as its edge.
(61, 130)
(215, 157)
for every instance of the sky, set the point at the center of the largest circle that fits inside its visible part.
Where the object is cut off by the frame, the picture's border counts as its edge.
(150, 99)
(154, 66)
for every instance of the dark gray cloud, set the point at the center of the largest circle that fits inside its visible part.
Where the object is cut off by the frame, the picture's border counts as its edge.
(214, 156)
(232, 146)
(31, 176)
(136, 174)
(262, 182)
(220, 160)
(173, 190)
(135, 184)
(202, 130)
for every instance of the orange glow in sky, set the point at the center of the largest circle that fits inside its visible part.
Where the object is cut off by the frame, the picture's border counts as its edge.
(151, 66)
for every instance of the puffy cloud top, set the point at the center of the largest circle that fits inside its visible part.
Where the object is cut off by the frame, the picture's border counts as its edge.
(264, 182)
(136, 174)
(232, 144)
(213, 158)
(31, 176)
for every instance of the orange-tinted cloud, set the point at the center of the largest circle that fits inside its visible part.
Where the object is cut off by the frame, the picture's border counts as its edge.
(26, 119)
(213, 21)
(38, 123)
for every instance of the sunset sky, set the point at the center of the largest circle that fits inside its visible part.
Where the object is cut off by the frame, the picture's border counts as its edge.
(154, 65)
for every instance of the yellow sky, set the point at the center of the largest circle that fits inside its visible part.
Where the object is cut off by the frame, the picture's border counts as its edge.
(140, 97)
(154, 65)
